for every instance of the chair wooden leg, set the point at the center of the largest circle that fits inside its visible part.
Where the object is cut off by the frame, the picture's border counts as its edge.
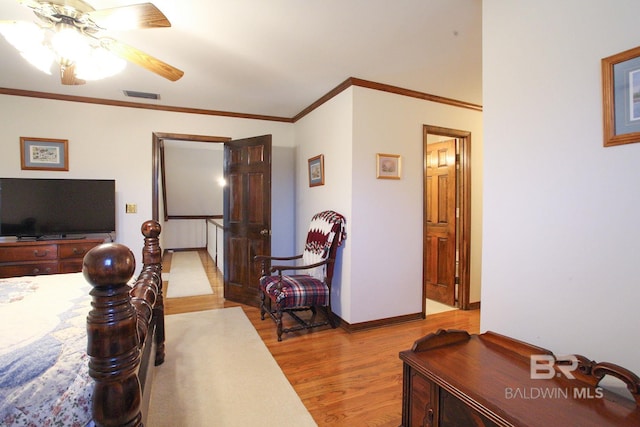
(279, 322)
(262, 308)
(330, 317)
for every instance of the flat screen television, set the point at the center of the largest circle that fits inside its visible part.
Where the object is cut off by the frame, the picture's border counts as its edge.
(56, 208)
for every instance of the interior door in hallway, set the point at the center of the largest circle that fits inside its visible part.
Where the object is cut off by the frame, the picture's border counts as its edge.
(247, 215)
(440, 221)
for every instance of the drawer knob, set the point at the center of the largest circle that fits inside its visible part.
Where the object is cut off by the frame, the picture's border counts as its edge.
(40, 254)
(77, 251)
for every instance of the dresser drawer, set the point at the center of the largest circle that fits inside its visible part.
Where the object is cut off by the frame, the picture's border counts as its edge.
(29, 253)
(70, 266)
(44, 257)
(423, 401)
(75, 250)
(15, 270)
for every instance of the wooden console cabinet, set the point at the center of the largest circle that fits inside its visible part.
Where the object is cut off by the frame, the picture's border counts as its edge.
(32, 258)
(451, 378)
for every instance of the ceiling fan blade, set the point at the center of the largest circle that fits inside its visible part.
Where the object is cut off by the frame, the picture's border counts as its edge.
(136, 16)
(142, 59)
(68, 76)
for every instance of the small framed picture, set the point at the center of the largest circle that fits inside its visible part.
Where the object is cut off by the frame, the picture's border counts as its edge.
(621, 97)
(388, 166)
(44, 154)
(316, 171)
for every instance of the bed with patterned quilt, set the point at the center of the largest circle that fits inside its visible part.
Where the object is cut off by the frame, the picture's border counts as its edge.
(77, 349)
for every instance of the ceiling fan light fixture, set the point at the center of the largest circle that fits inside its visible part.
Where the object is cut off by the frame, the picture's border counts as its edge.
(28, 39)
(68, 43)
(69, 33)
(99, 64)
(42, 59)
(22, 35)
(64, 44)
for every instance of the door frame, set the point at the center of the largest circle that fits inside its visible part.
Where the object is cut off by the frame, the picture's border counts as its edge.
(463, 220)
(157, 167)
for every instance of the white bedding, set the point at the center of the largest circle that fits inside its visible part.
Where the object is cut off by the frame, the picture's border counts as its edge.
(44, 377)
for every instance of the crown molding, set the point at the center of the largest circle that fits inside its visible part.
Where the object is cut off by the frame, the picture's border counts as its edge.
(351, 81)
(128, 104)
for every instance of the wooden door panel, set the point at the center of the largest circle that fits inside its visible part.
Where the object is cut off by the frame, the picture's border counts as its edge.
(235, 200)
(255, 154)
(247, 215)
(440, 221)
(443, 205)
(242, 283)
(237, 251)
(256, 199)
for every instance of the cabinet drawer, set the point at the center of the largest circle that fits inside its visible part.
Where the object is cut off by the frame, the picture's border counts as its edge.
(28, 253)
(455, 413)
(70, 266)
(423, 401)
(75, 250)
(15, 270)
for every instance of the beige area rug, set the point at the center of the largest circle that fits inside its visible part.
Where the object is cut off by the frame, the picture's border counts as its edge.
(187, 276)
(218, 372)
(434, 307)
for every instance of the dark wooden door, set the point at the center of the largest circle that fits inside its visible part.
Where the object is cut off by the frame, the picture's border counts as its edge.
(440, 221)
(247, 215)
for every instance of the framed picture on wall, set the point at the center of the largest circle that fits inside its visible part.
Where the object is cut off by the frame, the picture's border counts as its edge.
(44, 154)
(316, 171)
(388, 166)
(621, 97)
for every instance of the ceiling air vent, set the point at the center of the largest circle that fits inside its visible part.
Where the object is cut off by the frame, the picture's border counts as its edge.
(145, 95)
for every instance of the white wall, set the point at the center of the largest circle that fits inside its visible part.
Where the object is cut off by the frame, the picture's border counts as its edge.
(375, 281)
(193, 171)
(115, 142)
(387, 215)
(381, 264)
(327, 131)
(561, 235)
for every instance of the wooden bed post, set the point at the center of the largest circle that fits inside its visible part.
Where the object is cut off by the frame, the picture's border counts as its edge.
(113, 346)
(121, 318)
(152, 260)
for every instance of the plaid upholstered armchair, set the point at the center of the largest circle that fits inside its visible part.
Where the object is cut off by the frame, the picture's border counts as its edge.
(310, 287)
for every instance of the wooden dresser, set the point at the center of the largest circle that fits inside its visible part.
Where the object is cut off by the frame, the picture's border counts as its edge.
(31, 258)
(451, 378)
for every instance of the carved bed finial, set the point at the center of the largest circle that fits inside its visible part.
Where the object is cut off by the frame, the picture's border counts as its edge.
(112, 338)
(151, 253)
(108, 263)
(150, 228)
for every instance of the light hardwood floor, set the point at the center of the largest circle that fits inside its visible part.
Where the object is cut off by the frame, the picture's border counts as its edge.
(344, 379)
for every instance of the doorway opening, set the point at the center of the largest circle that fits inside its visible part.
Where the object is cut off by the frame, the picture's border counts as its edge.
(158, 178)
(180, 217)
(446, 216)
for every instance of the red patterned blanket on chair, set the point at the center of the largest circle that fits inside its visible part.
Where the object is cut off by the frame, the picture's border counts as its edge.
(324, 228)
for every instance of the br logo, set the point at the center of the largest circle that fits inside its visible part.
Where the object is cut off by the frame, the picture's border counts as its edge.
(543, 366)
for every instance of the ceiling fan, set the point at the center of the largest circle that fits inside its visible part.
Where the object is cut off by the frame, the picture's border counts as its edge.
(71, 33)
